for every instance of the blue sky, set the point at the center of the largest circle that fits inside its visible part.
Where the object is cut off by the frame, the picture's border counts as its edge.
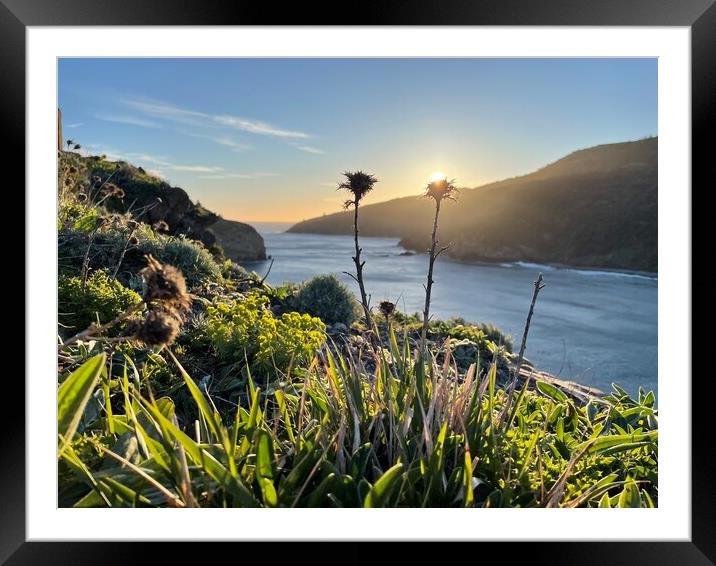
(267, 139)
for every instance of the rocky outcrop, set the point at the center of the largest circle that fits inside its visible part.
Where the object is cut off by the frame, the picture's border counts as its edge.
(240, 241)
(153, 200)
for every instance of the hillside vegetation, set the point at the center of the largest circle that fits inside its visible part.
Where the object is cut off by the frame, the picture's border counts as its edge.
(152, 200)
(596, 207)
(185, 381)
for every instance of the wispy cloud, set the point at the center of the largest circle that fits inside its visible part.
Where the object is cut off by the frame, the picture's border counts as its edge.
(165, 111)
(132, 120)
(221, 140)
(255, 127)
(239, 176)
(75, 125)
(162, 163)
(309, 149)
(146, 157)
(195, 168)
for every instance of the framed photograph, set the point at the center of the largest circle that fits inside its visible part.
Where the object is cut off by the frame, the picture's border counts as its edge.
(420, 276)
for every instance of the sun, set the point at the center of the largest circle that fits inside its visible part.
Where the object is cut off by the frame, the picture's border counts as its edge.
(437, 176)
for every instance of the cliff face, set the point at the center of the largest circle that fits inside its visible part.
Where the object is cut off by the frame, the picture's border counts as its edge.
(152, 200)
(594, 208)
(240, 241)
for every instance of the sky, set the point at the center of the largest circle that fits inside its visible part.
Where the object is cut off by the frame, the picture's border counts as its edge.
(268, 139)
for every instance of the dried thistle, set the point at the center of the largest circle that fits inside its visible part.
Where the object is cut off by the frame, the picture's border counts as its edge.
(160, 327)
(438, 190)
(103, 222)
(441, 189)
(160, 226)
(386, 308)
(358, 183)
(112, 190)
(166, 284)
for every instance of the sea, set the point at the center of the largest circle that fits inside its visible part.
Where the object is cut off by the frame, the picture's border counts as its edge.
(589, 326)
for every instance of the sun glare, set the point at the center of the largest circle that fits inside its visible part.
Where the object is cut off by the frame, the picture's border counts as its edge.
(437, 176)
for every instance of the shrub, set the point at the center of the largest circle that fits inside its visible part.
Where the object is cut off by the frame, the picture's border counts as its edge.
(327, 298)
(77, 216)
(102, 299)
(461, 329)
(494, 334)
(106, 246)
(189, 256)
(233, 271)
(248, 328)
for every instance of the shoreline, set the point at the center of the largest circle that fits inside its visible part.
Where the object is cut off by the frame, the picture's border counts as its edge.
(514, 263)
(559, 266)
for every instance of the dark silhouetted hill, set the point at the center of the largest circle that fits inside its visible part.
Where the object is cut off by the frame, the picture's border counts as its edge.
(596, 207)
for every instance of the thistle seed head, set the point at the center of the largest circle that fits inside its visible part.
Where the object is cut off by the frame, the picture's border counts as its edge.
(441, 189)
(359, 183)
(160, 327)
(386, 308)
(166, 284)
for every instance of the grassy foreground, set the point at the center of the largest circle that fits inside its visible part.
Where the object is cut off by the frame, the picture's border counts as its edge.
(185, 381)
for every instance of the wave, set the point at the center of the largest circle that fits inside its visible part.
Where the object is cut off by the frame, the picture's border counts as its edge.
(585, 272)
(591, 272)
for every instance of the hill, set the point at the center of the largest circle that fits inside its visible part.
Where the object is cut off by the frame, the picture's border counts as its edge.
(596, 207)
(152, 200)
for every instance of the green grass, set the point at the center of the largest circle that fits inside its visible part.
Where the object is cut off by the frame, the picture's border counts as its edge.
(254, 405)
(410, 435)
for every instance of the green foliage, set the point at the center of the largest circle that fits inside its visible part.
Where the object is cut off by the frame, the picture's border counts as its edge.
(327, 298)
(495, 335)
(460, 329)
(345, 427)
(247, 329)
(282, 298)
(111, 244)
(333, 438)
(101, 300)
(191, 257)
(74, 394)
(77, 216)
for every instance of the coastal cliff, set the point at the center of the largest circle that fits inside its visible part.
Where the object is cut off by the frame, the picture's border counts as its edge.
(239, 241)
(152, 200)
(596, 207)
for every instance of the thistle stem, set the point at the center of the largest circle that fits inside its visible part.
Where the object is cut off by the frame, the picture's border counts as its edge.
(121, 257)
(538, 286)
(429, 286)
(359, 268)
(94, 329)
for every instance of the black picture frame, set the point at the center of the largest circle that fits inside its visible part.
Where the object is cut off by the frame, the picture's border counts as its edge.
(699, 15)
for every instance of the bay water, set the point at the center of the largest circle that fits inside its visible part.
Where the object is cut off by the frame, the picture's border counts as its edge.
(593, 327)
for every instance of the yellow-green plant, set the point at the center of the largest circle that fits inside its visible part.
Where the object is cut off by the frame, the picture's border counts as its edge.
(100, 300)
(247, 329)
